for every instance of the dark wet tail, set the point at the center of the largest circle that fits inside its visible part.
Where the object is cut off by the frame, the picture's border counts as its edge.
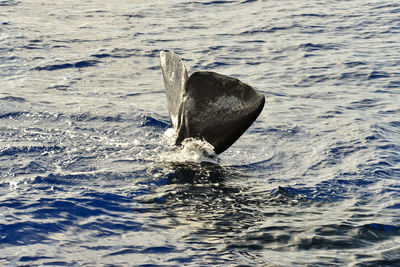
(207, 105)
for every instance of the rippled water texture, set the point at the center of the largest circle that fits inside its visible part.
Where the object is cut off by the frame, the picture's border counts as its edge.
(83, 176)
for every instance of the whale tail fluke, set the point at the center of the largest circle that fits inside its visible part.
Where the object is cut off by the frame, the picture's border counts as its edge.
(207, 105)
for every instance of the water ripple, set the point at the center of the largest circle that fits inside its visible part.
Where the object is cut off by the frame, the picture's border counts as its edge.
(314, 180)
(78, 64)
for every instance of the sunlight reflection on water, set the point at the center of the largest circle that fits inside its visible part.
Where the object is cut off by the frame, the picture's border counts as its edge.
(83, 115)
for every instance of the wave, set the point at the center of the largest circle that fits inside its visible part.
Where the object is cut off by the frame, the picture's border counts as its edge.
(78, 65)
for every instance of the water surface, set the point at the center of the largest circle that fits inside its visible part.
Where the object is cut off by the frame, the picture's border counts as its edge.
(83, 175)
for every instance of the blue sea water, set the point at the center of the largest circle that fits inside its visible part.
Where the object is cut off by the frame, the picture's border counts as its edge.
(88, 177)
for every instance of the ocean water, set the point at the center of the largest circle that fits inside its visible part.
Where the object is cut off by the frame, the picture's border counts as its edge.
(88, 176)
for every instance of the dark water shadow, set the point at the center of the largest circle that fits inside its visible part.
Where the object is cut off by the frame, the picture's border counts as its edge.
(221, 207)
(224, 184)
(192, 173)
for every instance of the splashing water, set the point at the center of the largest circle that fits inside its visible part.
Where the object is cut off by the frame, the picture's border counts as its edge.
(191, 150)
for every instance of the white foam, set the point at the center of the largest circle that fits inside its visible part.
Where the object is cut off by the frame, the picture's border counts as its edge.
(170, 133)
(192, 150)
